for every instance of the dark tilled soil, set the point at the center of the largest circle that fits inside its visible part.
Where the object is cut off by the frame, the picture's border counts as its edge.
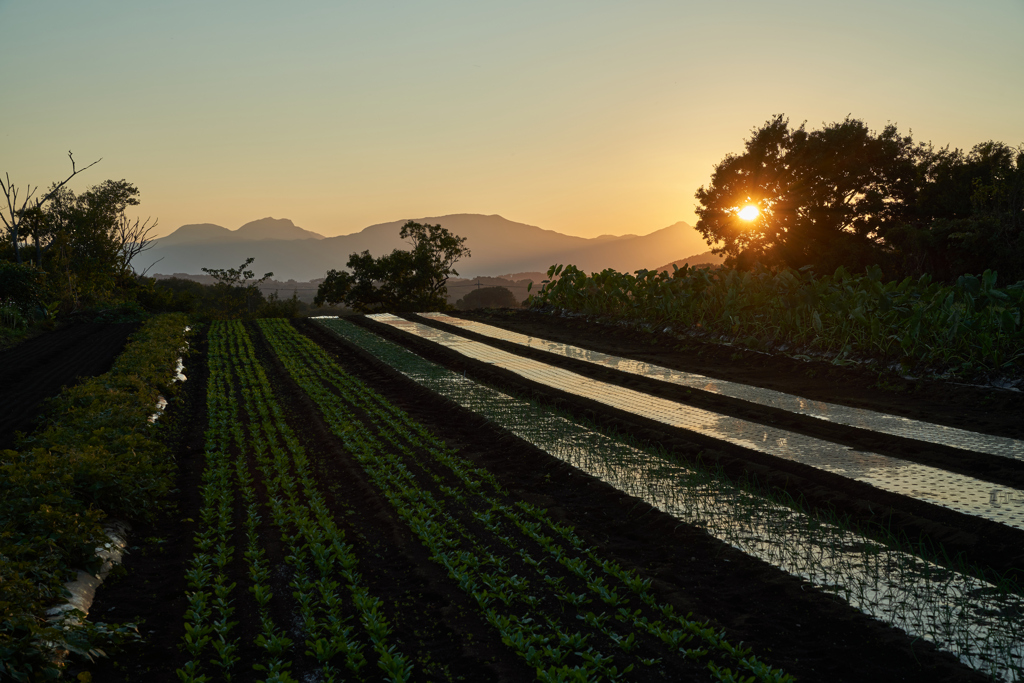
(790, 624)
(149, 588)
(988, 544)
(787, 622)
(40, 367)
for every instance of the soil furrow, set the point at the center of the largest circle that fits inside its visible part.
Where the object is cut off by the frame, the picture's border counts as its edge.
(807, 633)
(988, 544)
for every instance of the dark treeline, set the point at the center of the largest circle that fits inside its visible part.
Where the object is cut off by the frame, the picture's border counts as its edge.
(841, 196)
(68, 255)
(848, 196)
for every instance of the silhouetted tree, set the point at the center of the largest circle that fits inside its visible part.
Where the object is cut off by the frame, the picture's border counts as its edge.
(29, 210)
(402, 280)
(969, 215)
(825, 196)
(87, 241)
(488, 297)
(237, 292)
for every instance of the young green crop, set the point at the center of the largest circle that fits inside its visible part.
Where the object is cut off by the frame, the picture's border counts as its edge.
(968, 326)
(249, 443)
(459, 526)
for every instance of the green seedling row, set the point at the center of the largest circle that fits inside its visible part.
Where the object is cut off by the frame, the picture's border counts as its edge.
(248, 443)
(570, 614)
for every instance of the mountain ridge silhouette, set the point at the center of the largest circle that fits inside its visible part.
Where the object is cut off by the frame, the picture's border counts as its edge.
(497, 245)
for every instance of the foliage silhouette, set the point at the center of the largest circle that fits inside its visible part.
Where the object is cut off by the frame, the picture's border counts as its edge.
(402, 280)
(847, 196)
(824, 196)
(488, 297)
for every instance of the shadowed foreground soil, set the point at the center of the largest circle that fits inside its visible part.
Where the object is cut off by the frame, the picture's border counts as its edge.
(787, 622)
(39, 368)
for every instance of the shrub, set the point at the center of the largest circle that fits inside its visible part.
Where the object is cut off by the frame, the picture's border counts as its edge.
(97, 454)
(21, 285)
(488, 297)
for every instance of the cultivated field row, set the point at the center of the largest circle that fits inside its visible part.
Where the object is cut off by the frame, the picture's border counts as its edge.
(862, 418)
(967, 495)
(957, 611)
(560, 608)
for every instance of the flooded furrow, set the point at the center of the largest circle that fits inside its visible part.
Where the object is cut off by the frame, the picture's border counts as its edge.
(958, 492)
(962, 614)
(861, 418)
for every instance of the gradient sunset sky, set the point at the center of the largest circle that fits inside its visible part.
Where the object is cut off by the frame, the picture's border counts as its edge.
(582, 117)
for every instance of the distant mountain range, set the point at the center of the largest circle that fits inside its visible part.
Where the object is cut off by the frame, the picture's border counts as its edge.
(263, 229)
(498, 246)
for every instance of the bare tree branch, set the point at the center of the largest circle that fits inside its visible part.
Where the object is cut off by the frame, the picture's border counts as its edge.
(146, 269)
(12, 221)
(131, 239)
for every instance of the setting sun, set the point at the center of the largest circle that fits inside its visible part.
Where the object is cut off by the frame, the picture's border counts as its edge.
(749, 212)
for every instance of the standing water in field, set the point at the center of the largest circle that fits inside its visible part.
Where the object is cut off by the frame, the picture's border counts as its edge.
(973, 619)
(861, 418)
(933, 485)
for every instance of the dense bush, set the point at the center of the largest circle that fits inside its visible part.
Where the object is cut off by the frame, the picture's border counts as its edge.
(96, 455)
(21, 285)
(969, 326)
(488, 297)
(217, 301)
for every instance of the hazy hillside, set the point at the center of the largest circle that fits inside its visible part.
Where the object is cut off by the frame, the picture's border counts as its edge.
(498, 245)
(263, 229)
(706, 259)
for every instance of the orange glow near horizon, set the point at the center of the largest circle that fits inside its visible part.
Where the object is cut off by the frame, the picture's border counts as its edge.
(586, 123)
(749, 212)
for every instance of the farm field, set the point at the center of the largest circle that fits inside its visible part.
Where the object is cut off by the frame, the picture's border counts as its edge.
(37, 369)
(338, 521)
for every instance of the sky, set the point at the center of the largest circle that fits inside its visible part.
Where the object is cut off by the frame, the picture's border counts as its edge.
(587, 118)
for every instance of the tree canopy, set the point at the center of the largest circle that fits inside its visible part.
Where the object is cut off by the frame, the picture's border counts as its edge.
(83, 242)
(488, 297)
(404, 280)
(847, 196)
(824, 196)
(969, 215)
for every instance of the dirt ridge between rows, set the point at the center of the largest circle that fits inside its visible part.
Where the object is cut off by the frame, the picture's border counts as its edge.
(808, 633)
(990, 545)
(993, 468)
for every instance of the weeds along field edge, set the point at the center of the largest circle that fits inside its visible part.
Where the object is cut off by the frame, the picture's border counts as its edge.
(97, 455)
(567, 612)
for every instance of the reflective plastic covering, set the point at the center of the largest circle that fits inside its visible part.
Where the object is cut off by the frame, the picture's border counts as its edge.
(921, 482)
(871, 420)
(959, 613)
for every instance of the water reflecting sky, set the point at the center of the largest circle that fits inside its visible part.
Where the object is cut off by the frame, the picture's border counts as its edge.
(853, 417)
(930, 484)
